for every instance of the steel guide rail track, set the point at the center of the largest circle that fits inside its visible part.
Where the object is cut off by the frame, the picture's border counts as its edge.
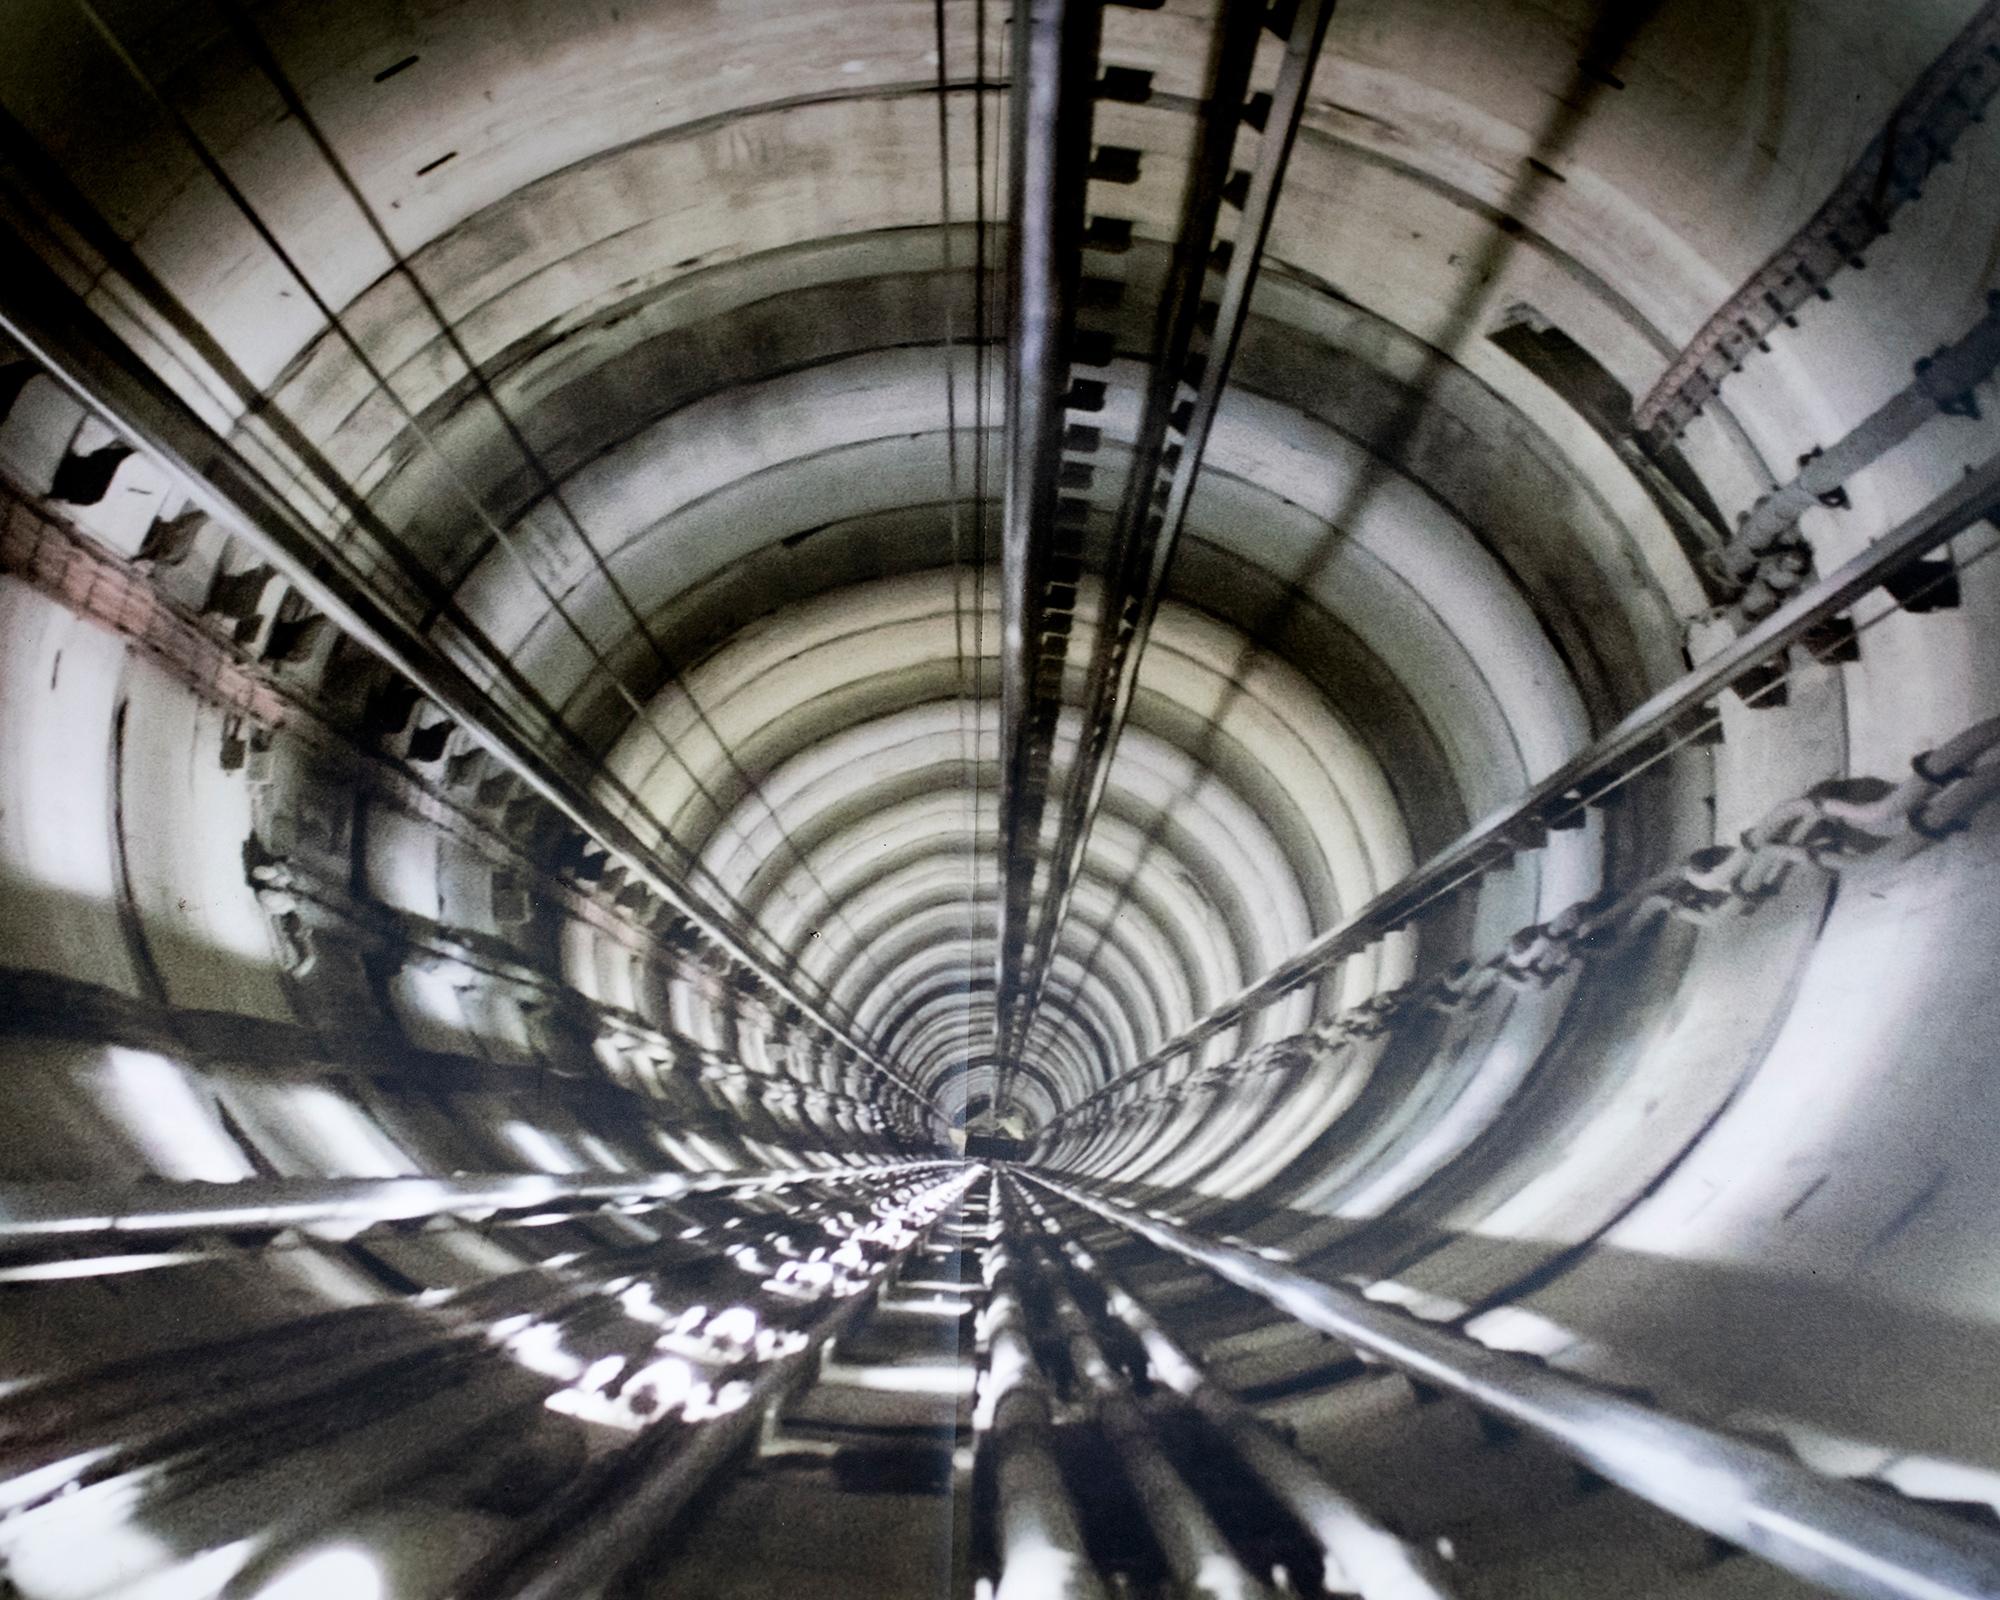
(1102, 291)
(1844, 1536)
(45, 551)
(1207, 302)
(1054, 490)
(1557, 801)
(1055, 54)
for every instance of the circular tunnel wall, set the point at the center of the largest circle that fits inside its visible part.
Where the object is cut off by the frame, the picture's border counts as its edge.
(662, 369)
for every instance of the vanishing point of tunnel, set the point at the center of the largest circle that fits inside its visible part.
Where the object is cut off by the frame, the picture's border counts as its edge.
(999, 799)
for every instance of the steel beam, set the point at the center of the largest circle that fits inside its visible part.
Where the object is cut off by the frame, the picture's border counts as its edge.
(1055, 50)
(1588, 776)
(1190, 370)
(1845, 1536)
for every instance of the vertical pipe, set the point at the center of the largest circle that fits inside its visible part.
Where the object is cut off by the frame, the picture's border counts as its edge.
(1361, 1556)
(1041, 1548)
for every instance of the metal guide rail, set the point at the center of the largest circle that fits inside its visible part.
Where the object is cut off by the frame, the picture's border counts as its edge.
(1592, 777)
(461, 792)
(673, 1344)
(1073, 288)
(1055, 54)
(1248, 126)
(1845, 1536)
(1837, 822)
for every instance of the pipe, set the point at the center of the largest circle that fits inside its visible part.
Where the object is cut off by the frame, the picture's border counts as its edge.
(1197, 1554)
(1360, 1555)
(1848, 1538)
(1040, 1541)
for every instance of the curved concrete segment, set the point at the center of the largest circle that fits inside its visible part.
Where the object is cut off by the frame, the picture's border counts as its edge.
(503, 627)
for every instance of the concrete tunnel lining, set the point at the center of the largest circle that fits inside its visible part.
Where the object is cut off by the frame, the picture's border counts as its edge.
(699, 257)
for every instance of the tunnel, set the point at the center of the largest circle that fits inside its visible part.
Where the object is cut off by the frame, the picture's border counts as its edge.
(1085, 800)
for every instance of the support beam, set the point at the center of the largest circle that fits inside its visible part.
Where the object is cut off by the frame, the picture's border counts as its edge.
(1224, 228)
(1942, 384)
(1557, 800)
(1055, 55)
